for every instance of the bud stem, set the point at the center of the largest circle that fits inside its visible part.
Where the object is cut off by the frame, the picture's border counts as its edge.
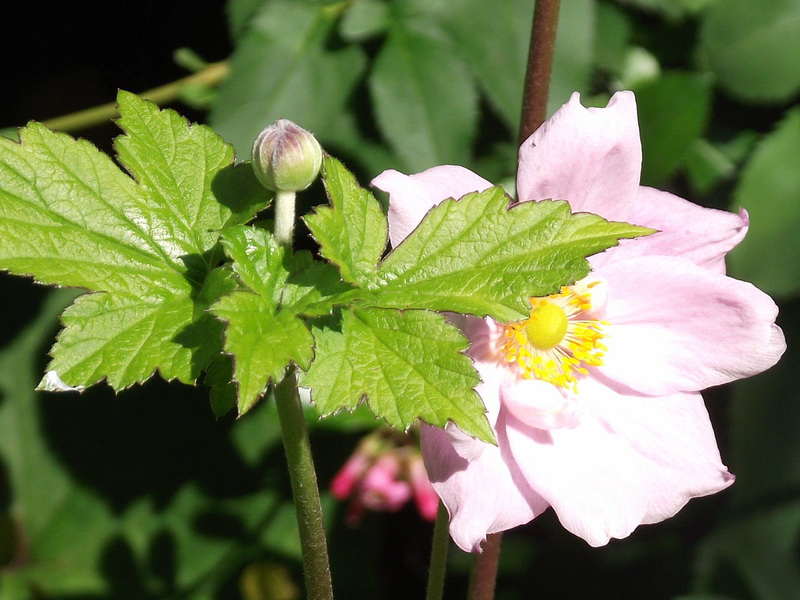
(284, 217)
(316, 567)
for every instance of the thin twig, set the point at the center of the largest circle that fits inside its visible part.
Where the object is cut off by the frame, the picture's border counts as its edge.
(212, 75)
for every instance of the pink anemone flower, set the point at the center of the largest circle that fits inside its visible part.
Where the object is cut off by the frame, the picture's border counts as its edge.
(595, 396)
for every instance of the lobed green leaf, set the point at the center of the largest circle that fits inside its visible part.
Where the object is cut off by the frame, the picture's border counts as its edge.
(475, 256)
(257, 260)
(122, 339)
(405, 364)
(70, 217)
(352, 232)
(263, 343)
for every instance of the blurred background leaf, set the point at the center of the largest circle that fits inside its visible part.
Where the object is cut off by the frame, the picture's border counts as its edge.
(754, 48)
(768, 189)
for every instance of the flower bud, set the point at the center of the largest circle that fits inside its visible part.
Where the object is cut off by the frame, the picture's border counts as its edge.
(286, 157)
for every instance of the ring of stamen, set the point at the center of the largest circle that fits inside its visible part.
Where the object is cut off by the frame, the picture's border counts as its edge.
(558, 340)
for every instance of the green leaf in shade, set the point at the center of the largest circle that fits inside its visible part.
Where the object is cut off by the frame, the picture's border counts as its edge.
(475, 256)
(352, 232)
(262, 338)
(219, 378)
(284, 67)
(754, 48)
(493, 38)
(425, 100)
(258, 260)
(406, 364)
(70, 217)
(262, 341)
(769, 189)
(673, 112)
(314, 287)
(672, 9)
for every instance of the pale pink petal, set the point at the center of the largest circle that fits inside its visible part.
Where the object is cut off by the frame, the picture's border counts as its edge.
(591, 157)
(540, 404)
(703, 235)
(412, 196)
(481, 333)
(482, 496)
(632, 460)
(674, 326)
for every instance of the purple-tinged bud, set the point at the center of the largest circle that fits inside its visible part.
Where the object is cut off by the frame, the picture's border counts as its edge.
(286, 157)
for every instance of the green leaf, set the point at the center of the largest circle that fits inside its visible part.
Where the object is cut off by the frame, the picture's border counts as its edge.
(769, 189)
(407, 364)
(284, 67)
(363, 20)
(425, 100)
(69, 216)
(262, 338)
(673, 112)
(314, 287)
(121, 339)
(475, 256)
(754, 48)
(706, 165)
(219, 377)
(257, 260)
(352, 232)
(262, 342)
(176, 164)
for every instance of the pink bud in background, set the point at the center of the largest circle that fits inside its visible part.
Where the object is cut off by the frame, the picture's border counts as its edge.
(382, 488)
(424, 495)
(383, 474)
(349, 475)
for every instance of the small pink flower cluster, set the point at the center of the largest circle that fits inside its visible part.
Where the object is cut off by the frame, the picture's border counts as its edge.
(383, 474)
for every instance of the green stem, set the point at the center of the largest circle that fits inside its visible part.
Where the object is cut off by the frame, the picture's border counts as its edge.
(284, 217)
(78, 121)
(540, 65)
(441, 544)
(484, 569)
(316, 567)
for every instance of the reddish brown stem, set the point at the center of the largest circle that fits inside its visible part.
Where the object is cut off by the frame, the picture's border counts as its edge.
(540, 65)
(484, 569)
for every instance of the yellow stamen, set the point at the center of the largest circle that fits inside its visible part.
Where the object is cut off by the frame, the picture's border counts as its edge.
(558, 341)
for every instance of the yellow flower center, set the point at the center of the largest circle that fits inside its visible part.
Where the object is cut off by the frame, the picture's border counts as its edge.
(546, 326)
(559, 340)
